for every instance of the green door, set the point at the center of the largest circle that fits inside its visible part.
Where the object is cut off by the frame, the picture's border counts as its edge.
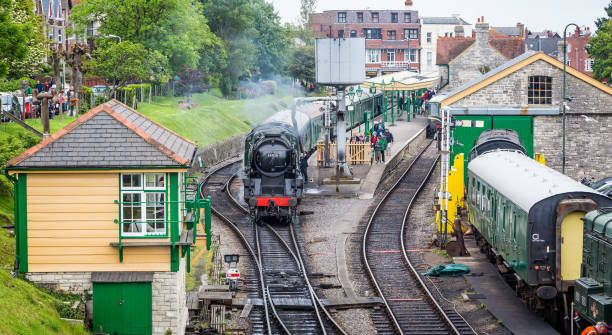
(523, 124)
(122, 308)
(472, 126)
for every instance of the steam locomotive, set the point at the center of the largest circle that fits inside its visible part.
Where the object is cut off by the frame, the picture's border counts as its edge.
(274, 153)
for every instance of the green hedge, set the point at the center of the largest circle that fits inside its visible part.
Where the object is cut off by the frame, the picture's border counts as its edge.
(14, 85)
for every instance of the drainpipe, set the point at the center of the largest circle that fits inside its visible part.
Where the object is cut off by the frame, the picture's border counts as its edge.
(447, 75)
(16, 213)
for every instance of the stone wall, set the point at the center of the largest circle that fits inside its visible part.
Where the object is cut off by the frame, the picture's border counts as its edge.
(169, 297)
(588, 125)
(169, 307)
(467, 66)
(588, 144)
(215, 153)
(70, 282)
(511, 91)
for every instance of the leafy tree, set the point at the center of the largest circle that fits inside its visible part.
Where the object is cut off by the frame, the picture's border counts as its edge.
(125, 61)
(601, 20)
(302, 63)
(600, 48)
(307, 7)
(271, 41)
(253, 37)
(14, 34)
(176, 28)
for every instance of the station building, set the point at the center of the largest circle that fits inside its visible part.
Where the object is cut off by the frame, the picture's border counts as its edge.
(392, 36)
(102, 207)
(525, 94)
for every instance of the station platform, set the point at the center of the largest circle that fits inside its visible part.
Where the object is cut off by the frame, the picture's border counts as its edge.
(366, 177)
(498, 297)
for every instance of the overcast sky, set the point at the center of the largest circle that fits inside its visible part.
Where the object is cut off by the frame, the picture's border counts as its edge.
(537, 15)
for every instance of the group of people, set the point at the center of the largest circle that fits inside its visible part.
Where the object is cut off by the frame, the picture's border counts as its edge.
(67, 99)
(379, 138)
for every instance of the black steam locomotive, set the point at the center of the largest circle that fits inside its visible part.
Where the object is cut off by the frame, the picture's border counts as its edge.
(274, 154)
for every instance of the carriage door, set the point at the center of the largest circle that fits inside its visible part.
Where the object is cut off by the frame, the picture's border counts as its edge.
(571, 245)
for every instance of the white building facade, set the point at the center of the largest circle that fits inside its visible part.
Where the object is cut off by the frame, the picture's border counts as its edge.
(431, 29)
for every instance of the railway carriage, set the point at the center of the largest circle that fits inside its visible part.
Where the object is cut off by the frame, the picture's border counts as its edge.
(528, 217)
(593, 293)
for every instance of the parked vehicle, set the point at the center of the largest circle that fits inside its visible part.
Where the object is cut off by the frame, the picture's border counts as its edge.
(10, 104)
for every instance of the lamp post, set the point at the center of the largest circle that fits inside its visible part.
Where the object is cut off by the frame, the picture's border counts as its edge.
(114, 36)
(564, 88)
(359, 92)
(351, 94)
(373, 93)
(393, 101)
(384, 102)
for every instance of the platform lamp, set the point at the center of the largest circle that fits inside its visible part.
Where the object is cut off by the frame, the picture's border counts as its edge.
(351, 94)
(564, 88)
(359, 93)
(373, 93)
(393, 101)
(384, 102)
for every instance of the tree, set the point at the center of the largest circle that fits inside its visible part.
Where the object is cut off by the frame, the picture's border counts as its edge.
(271, 42)
(601, 20)
(175, 28)
(14, 35)
(600, 48)
(302, 64)
(307, 7)
(125, 61)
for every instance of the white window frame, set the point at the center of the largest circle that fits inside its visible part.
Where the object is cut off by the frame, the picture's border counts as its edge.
(429, 37)
(588, 64)
(390, 55)
(373, 56)
(411, 56)
(143, 190)
(429, 58)
(343, 17)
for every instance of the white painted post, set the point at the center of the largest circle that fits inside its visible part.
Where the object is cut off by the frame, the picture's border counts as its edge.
(150, 88)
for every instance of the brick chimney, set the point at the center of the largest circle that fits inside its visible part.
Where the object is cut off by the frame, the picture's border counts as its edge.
(459, 32)
(408, 4)
(521, 27)
(481, 31)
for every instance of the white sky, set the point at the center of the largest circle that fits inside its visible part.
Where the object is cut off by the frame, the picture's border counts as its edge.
(537, 15)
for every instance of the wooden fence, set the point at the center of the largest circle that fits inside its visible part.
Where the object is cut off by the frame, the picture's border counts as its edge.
(356, 153)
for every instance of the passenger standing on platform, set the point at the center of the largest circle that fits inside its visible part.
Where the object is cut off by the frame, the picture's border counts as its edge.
(599, 328)
(389, 136)
(383, 146)
(373, 145)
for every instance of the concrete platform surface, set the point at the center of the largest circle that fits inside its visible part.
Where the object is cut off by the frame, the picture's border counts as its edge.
(323, 178)
(499, 298)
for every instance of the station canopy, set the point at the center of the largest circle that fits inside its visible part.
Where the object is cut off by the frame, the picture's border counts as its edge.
(404, 81)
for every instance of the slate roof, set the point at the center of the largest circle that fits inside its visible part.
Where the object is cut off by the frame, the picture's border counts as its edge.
(112, 135)
(509, 31)
(122, 277)
(546, 45)
(442, 20)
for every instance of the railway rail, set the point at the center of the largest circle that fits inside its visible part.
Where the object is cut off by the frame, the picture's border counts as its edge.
(279, 277)
(409, 304)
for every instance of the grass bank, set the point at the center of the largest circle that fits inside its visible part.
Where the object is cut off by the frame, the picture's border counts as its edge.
(213, 118)
(25, 308)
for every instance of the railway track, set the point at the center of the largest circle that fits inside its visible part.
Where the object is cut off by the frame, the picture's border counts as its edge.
(278, 279)
(409, 304)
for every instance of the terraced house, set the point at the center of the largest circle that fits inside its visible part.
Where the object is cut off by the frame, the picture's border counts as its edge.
(104, 206)
(392, 36)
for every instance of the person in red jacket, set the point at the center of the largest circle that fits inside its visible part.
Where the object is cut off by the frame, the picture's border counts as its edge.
(599, 328)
